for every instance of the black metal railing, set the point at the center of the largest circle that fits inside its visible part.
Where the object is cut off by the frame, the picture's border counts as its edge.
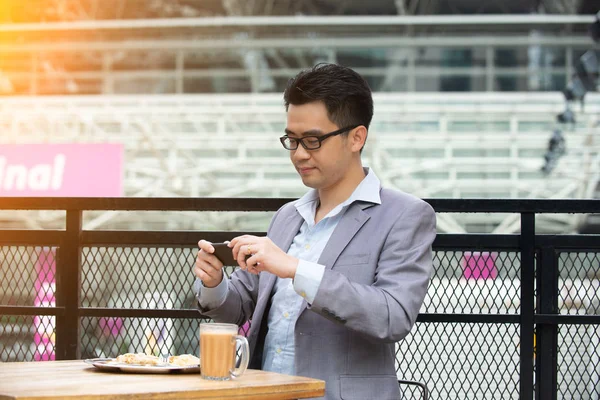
(506, 315)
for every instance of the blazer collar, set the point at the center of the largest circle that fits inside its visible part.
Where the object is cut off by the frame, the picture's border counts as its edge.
(354, 218)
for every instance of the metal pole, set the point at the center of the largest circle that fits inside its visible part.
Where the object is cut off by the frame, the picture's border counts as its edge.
(68, 288)
(569, 64)
(245, 21)
(489, 69)
(411, 79)
(547, 334)
(180, 73)
(527, 246)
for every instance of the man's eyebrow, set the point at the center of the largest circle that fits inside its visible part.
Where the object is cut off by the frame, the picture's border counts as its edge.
(312, 132)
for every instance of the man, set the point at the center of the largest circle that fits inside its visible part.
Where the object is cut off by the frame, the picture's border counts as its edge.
(343, 271)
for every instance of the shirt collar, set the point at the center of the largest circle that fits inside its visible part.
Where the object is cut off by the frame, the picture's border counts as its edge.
(367, 191)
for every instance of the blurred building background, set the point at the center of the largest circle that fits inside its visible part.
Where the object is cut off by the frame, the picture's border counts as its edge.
(183, 98)
(211, 46)
(467, 97)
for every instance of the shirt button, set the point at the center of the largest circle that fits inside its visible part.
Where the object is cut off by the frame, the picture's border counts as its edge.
(286, 314)
(303, 293)
(307, 246)
(279, 350)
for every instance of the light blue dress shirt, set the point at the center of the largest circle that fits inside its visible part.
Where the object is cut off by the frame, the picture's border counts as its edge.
(307, 246)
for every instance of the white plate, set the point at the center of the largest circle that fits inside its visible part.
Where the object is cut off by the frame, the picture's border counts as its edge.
(109, 365)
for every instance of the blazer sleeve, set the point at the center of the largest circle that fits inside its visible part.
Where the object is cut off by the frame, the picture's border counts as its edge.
(239, 304)
(387, 309)
(242, 294)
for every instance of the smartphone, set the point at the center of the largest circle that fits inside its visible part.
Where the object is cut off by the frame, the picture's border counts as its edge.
(225, 254)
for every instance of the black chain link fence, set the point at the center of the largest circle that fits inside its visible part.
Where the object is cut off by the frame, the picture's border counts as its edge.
(451, 358)
(476, 282)
(579, 344)
(461, 360)
(457, 359)
(26, 272)
(139, 278)
(28, 279)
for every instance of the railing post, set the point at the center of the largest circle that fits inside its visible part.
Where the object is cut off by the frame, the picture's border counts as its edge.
(527, 247)
(68, 284)
(547, 333)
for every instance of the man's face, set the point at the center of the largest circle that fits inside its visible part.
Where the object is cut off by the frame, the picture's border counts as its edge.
(324, 167)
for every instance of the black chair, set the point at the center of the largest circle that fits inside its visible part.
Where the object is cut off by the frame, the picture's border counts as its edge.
(422, 386)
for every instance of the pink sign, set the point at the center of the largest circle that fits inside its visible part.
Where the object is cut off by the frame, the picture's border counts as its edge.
(479, 265)
(61, 170)
(45, 325)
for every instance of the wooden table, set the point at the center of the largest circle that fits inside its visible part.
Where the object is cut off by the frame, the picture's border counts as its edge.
(76, 379)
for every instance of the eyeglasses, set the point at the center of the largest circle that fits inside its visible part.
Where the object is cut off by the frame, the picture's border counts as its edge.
(311, 142)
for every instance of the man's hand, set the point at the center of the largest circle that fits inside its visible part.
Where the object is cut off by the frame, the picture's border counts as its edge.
(208, 268)
(265, 256)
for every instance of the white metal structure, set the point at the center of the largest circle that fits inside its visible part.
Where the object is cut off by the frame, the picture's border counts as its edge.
(433, 145)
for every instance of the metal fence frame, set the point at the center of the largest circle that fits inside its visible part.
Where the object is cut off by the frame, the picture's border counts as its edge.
(539, 308)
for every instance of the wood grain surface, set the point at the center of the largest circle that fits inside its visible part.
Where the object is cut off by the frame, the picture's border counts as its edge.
(76, 379)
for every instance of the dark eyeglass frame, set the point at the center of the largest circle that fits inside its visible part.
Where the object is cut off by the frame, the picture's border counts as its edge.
(319, 138)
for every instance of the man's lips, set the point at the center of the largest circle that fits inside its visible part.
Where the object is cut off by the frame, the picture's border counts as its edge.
(305, 170)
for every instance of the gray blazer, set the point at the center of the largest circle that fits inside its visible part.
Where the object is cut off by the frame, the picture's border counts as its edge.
(378, 264)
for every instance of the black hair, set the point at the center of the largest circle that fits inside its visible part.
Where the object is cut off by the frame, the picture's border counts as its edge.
(344, 92)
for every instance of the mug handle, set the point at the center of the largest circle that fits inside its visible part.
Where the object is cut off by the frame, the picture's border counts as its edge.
(237, 372)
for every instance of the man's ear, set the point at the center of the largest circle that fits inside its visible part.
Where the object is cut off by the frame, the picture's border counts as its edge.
(358, 137)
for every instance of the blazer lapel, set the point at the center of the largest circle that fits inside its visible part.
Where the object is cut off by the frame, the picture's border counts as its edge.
(351, 222)
(287, 230)
(348, 226)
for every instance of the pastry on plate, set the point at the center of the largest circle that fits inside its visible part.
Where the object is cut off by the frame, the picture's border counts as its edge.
(138, 359)
(184, 360)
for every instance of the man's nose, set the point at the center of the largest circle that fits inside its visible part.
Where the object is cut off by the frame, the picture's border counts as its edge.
(300, 153)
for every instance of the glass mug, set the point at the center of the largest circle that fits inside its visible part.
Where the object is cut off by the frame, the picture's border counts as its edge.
(218, 351)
